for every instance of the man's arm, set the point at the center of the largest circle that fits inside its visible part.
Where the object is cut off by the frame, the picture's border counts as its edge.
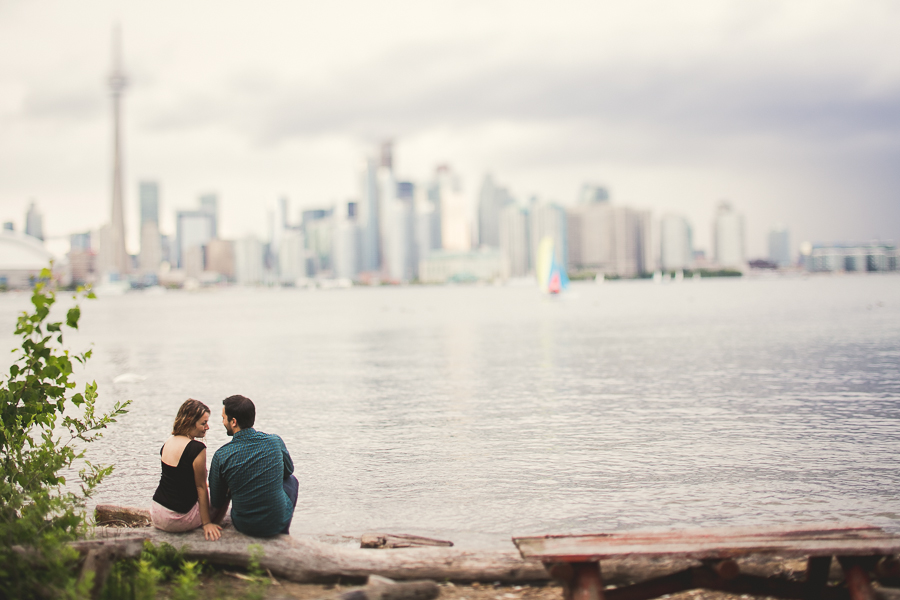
(286, 458)
(218, 487)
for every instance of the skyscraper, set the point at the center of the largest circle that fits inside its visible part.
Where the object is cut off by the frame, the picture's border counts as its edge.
(514, 240)
(676, 243)
(428, 222)
(614, 240)
(151, 246)
(148, 196)
(209, 203)
(193, 229)
(780, 245)
(249, 266)
(34, 222)
(116, 257)
(456, 230)
(369, 218)
(401, 252)
(728, 237)
(492, 199)
(346, 242)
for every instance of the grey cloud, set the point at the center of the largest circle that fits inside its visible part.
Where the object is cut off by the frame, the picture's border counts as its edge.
(423, 87)
(704, 99)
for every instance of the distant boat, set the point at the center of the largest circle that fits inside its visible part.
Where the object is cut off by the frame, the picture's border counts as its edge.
(552, 278)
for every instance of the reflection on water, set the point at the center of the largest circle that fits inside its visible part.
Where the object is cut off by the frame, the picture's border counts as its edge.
(498, 410)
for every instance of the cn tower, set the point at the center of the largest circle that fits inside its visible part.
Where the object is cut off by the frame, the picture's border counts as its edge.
(118, 257)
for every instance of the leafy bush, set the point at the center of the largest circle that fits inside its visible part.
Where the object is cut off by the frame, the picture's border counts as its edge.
(43, 430)
(140, 578)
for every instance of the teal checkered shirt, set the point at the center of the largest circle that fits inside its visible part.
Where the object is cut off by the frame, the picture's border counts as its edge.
(251, 468)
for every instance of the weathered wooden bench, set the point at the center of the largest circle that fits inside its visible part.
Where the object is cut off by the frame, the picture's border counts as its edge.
(576, 560)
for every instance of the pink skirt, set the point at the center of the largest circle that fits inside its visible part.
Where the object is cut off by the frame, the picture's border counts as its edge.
(174, 522)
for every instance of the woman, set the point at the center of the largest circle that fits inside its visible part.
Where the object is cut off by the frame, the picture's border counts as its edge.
(181, 502)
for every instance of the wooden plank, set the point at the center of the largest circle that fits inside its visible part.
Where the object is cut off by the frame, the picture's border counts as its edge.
(399, 540)
(721, 543)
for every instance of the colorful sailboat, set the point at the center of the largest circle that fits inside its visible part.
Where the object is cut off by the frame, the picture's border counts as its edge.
(551, 276)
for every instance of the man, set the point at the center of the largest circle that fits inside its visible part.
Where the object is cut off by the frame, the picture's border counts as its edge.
(254, 471)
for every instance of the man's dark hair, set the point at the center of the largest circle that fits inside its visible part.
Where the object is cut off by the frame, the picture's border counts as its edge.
(240, 408)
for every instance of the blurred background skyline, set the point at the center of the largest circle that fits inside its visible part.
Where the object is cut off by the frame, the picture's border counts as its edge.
(791, 111)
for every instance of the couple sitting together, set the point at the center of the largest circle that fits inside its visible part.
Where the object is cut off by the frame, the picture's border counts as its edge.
(253, 471)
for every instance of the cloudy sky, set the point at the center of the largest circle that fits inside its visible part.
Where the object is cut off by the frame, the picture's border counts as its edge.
(789, 109)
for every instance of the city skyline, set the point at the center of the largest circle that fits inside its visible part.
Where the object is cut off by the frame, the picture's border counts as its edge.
(539, 104)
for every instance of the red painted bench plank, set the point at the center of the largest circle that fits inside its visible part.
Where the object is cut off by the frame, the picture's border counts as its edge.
(812, 540)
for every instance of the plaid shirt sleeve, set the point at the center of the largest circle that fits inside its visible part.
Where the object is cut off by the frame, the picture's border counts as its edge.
(288, 463)
(218, 488)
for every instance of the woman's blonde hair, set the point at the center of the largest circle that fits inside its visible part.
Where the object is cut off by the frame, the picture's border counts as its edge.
(188, 415)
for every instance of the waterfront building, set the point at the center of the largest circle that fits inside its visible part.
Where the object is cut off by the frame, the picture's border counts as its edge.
(443, 266)
(318, 228)
(148, 199)
(514, 240)
(249, 266)
(548, 220)
(400, 250)
(347, 243)
(433, 196)
(428, 221)
(492, 199)
(728, 237)
(193, 229)
(456, 228)
(401, 242)
(676, 243)
(82, 258)
(34, 222)
(370, 253)
(167, 251)
(612, 240)
(193, 261)
(780, 245)
(292, 256)
(150, 255)
(22, 257)
(872, 257)
(387, 195)
(220, 258)
(209, 204)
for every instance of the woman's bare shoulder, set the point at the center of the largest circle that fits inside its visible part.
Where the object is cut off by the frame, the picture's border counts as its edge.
(173, 448)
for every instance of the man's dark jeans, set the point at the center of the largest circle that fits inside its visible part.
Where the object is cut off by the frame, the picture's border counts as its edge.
(292, 489)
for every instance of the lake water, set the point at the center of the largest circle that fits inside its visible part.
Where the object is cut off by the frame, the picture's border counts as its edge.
(481, 412)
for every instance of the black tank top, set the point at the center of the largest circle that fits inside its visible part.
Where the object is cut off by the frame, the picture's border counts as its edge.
(177, 489)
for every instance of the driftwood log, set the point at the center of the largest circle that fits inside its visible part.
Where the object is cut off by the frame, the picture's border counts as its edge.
(99, 560)
(302, 559)
(109, 515)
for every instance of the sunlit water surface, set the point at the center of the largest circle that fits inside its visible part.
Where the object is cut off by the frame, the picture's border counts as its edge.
(481, 412)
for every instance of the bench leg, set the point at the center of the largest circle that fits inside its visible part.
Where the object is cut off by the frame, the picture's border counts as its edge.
(817, 568)
(858, 583)
(581, 580)
(588, 582)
